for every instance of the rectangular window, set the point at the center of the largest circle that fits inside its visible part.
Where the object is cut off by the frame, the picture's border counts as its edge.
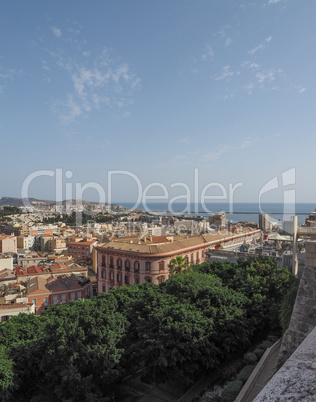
(78, 295)
(63, 298)
(72, 296)
(34, 302)
(55, 299)
(127, 280)
(148, 266)
(45, 301)
(103, 288)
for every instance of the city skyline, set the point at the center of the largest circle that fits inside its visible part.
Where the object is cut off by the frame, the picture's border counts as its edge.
(158, 90)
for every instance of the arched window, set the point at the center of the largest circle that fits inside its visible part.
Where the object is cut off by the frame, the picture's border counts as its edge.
(136, 266)
(111, 262)
(103, 274)
(161, 279)
(119, 263)
(103, 260)
(148, 279)
(197, 257)
(161, 266)
(127, 265)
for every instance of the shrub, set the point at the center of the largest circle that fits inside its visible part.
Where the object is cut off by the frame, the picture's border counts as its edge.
(245, 373)
(231, 391)
(272, 338)
(259, 353)
(265, 345)
(250, 358)
(230, 370)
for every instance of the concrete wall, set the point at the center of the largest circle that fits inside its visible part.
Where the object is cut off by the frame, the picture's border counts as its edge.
(295, 381)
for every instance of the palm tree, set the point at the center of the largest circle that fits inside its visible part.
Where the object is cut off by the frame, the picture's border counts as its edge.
(178, 265)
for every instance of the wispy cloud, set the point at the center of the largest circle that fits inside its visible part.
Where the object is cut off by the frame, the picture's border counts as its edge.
(208, 52)
(273, 1)
(260, 47)
(226, 74)
(216, 154)
(6, 75)
(57, 32)
(96, 81)
(186, 141)
(301, 89)
(223, 149)
(262, 77)
(228, 42)
(268, 75)
(222, 33)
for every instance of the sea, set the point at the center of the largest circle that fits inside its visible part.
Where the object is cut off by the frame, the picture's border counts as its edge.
(237, 212)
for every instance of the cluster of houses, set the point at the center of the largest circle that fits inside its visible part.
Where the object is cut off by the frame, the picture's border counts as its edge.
(52, 265)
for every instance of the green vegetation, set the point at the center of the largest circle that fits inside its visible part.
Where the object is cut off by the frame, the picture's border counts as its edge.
(231, 391)
(191, 323)
(259, 353)
(245, 373)
(6, 211)
(250, 358)
(178, 265)
(287, 306)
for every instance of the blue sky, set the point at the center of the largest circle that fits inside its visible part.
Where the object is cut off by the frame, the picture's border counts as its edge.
(158, 89)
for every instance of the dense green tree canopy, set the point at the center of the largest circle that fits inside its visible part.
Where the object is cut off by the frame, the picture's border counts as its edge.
(191, 322)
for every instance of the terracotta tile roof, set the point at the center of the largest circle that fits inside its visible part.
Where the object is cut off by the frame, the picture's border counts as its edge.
(145, 246)
(34, 270)
(55, 284)
(7, 274)
(160, 239)
(58, 267)
(82, 243)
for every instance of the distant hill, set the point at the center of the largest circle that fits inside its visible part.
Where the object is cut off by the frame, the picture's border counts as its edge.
(18, 202)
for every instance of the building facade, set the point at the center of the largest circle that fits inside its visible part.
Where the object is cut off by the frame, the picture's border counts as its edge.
(81, 249)
(126, 261)
(46, 292)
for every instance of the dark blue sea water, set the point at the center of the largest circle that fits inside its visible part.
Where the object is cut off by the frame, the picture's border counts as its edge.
(236, 212)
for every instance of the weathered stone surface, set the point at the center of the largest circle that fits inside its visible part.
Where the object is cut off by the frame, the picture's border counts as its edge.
(295, 381)
(303, 318)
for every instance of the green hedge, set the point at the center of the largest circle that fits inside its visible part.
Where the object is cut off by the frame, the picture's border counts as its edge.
(250, 358)
(265, 345)
(231, 391)
(245, 373)
(258, 352)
